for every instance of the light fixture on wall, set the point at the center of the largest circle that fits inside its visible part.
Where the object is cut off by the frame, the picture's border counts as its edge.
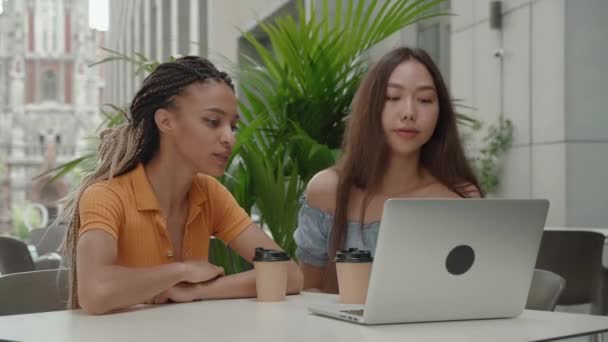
(496, 15)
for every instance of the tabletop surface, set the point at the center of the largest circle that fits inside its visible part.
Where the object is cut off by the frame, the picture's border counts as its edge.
(248, 320)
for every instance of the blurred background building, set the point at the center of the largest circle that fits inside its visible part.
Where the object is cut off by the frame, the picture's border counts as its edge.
(49, 97)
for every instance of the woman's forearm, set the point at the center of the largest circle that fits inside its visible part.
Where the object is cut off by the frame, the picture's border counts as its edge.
(117, 287)
(295, 279)
(242, 285)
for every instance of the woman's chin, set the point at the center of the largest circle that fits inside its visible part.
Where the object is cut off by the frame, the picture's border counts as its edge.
(217, 172)
(405, 152)
(214, 171)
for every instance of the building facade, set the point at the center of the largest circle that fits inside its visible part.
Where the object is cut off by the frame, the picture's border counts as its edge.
(49, 97)
(159, 29)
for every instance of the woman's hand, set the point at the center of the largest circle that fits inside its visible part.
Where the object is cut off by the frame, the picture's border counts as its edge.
(180, 293)
(199, 271)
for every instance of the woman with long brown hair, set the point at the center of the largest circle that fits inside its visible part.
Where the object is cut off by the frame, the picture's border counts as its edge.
(401, 141)
(140, 222)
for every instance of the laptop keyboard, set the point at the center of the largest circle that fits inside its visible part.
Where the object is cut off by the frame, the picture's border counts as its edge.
(353, 312)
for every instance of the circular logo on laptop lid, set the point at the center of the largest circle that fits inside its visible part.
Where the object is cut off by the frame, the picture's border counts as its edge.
(460, 259)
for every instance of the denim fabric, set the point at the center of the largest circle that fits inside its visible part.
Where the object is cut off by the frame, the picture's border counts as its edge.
(313, 231)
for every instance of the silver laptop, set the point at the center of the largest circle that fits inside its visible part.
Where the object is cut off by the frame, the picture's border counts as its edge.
(439, 260)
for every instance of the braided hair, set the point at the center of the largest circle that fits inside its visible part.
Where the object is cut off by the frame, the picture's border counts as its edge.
(135, 141)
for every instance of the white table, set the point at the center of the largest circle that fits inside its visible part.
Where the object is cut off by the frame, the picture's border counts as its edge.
(250, 321)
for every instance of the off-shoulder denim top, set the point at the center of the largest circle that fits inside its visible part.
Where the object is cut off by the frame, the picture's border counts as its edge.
(312, 235)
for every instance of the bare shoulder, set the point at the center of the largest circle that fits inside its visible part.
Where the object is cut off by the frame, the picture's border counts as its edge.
(321, 190)
(470, 190)
(439, 190)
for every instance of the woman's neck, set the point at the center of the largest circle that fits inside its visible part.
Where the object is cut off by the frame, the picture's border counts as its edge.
(403, 174)
(171, 183)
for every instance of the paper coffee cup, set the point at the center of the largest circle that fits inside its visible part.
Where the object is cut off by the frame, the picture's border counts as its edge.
(270, 274)
(353, 267)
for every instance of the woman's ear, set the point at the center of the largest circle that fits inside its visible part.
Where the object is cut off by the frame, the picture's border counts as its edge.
(164, 120)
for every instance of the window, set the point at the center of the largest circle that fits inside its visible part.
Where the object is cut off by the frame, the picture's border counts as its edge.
(3, 76)
(247, 49)
(183, 27)
(4, 7)
(152, 31)
(202, 28)
(141, 47)
(166, 32)
(49, 86)
(433, 36)
(247, 54)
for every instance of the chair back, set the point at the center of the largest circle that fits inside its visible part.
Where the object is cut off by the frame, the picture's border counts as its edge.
(32, 292)
(577, 257)
(14, 256)
(545, 290)
(47, 240)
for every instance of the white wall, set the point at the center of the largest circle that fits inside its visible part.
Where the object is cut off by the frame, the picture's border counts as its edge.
(526, 86)
(552, 87)
(586, 113)
(226, 20)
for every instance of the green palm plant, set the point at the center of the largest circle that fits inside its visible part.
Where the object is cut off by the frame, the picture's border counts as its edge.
(295, 97)
(309, 74)
(20, 216)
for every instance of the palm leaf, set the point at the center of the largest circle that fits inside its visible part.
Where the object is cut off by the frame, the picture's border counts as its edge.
(63, 169)
(297, 93)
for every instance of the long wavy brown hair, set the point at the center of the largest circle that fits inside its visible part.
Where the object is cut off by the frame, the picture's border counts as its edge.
(366, 151)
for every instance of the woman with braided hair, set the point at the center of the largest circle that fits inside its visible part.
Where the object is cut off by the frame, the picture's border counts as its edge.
(140, 222)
